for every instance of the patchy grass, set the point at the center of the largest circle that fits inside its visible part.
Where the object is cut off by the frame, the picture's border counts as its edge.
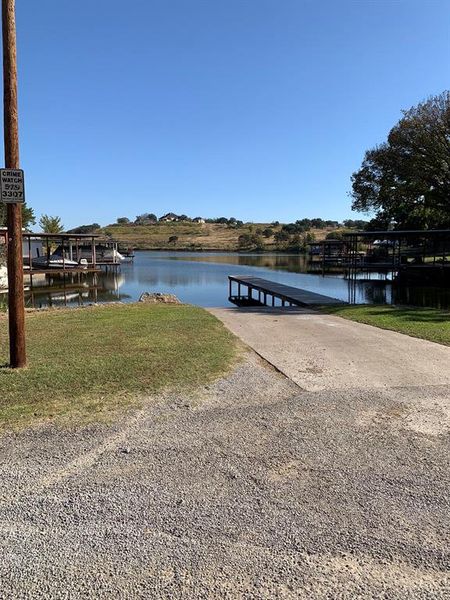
(86, 363)
(431, 324)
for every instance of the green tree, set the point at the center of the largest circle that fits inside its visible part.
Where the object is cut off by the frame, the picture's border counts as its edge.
(244, 240)
(281, 236)
(296, 243)
(123, 221)
(407, 179)
(50, 224)
(317, 223)
(28, 217)
(146, 219)
(251, 240)
(258, 241)
(356, 223)
(335, 235)
(85, 228)
(309, 238)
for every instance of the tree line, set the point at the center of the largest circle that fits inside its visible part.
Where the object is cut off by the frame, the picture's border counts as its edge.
(298, 226)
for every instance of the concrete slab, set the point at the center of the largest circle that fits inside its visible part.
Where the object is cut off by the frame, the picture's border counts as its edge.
(324, 352)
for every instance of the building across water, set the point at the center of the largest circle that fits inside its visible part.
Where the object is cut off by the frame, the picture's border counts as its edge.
(403, 256)
(63, 253)
(407, 256)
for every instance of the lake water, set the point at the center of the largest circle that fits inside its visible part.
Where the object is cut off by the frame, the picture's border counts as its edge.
(202, 278)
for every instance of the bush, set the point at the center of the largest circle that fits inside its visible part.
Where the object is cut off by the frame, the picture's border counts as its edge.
(281, 236)
(297, 243)
(244, 240)
(85, 228)
(335, 235)
(293, 228)
(248, 241)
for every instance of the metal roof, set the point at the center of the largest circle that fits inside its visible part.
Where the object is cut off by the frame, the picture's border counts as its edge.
(62, 236)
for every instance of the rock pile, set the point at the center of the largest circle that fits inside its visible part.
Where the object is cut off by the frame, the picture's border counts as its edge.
(159, 298)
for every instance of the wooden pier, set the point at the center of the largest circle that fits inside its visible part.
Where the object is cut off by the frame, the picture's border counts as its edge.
(287, 295)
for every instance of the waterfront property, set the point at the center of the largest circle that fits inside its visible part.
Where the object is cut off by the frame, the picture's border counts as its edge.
(62, 253)
(407, 256)
(416, 255)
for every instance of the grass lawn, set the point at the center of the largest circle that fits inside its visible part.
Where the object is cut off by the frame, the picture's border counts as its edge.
(427, 323)
(86, 363)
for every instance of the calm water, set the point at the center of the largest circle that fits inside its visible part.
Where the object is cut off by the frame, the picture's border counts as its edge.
(201, 278)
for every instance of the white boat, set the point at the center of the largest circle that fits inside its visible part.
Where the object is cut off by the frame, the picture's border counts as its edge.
(110, 255)
(55, 261)
(103, 254)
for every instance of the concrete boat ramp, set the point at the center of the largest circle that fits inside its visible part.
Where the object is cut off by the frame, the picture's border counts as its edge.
(319, 351)
(325, 352)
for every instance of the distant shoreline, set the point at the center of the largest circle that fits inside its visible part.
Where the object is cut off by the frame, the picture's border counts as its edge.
(219, 251)
(214, 237)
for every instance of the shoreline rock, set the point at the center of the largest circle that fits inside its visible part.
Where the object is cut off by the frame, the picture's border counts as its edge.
(159, 298)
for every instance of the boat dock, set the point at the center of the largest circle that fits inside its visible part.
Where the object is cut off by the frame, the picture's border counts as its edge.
(287, 295)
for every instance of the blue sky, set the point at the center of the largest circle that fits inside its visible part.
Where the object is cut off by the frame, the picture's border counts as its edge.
(257, 109)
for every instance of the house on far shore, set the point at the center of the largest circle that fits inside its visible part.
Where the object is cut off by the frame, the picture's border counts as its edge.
(170, 217)
(198, 220)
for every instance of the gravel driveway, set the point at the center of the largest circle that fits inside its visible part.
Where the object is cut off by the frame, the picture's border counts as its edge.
(254, 488)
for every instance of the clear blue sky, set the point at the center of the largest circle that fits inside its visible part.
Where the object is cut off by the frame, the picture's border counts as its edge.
(257, 109)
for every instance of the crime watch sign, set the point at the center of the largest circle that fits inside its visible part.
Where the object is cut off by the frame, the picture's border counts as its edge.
(12, 186)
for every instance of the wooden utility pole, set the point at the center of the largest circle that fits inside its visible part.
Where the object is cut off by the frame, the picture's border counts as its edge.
(16, 304)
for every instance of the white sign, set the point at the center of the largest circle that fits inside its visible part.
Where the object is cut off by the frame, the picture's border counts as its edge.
(12, 186)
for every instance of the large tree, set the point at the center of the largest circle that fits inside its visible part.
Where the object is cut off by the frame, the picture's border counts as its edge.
(407, 178)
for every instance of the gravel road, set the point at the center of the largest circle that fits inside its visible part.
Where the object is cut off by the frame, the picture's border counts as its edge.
(253, 488)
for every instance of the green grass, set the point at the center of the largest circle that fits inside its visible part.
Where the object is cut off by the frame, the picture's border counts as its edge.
(87, 363)
(427, 323)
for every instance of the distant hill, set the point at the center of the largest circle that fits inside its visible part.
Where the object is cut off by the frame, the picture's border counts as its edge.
(186, 235)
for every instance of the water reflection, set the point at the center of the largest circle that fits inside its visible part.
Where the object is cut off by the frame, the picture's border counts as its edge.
(74, 289)
(201, 278)
(294, 263)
